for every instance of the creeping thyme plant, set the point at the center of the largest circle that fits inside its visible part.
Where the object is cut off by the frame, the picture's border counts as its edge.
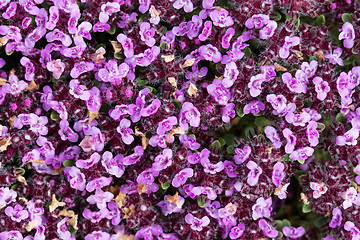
(179, 119)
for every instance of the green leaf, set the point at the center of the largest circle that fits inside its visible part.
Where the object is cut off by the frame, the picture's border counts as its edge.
(152, 90)
(320, 20)
(230, 149)
(178, 104)
(240, 112)
(274, 15)
(112, 30)
(69, 163)
(163, 45)
(117, 55)
(222, 141)
(9, 53)
(227, 126)
(215, 145)
(247, 51)
(346, 17)
(301, 161)
(340, 118)
(165, 185)
(262, 122)
(19, 171)
(54, 116)
(306, 208)
(249, 131)
(72, 230)
(202, 200)
(320, 127)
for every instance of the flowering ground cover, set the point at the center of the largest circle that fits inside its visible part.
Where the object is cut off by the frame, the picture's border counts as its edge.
(180, 119)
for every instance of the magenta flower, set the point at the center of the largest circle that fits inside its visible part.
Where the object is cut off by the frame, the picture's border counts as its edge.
(242, 154)
(78, 91)
(127, 45)
(229, 169)
(181, 177)
(349, 138)
(62, 229)
(194, 158)
(75, 15)
(125, 131)
(206, 31)
(334, 57)
(186, 4)
(318, 188)
(160, 140)
(278, 173)
(151, 109)
(163, 160)
(168, 207)
(284, 51)
(278, 102)
(100, 198)
(147, 232)
(98, 183)
(14, 86)
(262, 208)
(113, 73)
(268, 31)
(29, 68)
(83, 31)
(347, 33)
(147, 177)
(112, 165)
(268, 71)
(312, 133)
(210, 167)
(76, 178)
(230, 75)
(228, 112)
(351, 196)
(147, 57)
(101, 27)
(210, 53)
(66, 133)
(144, 5)
(293, 233)
(189, 114)
(88, 163)
(309, 69)
(95, 217)
(11, 235)
(254, 174)
(10, 11)
(60, 36)
(56, 67)
(336, 218)
(197, 224)
(80, 68)
(321, 88)
(107, 9)
(257, 21)
(135, 157)
(189, 142)
(226, 38)
(147, 34)
(302, 153)
(218, 92)
(255, 84)
(273, 136)
(267, 229)
(298, 119)
(53, 18)
(17, 213)
(294, 84)
(221, 18)
(166, 125)
(354, 231)
(237, 231)
(254, 107)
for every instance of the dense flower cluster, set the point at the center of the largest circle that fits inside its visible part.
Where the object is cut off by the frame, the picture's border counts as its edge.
(180, 119)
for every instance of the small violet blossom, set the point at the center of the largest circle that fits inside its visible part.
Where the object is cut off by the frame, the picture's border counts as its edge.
(14, 86)
(29, 68)
(147, 34)
(168, 206)
(181, 177)
(336, 218)
(16, 213)
(262, 208)
(189, 114)
(347, 33)
(349, 138)
(321, 87)
(163, 160)
(312, 133)
(218, 92)
(228, 112)
(301, 154)
(255, 84)
(257, 21)
(273, 136)
(254, 174)
(221, 18)
(113, 165)
(100, 198)
(334, 57)
(254, 107)
(237, 231)
(242, 154)
(225, 40)
(56, 67)
(351, 196)
(284, 51)
(98, 183)
(318, 188)
(354, 231)
(78, 90)
(186, 4)
(267, 229)
(268, 31)
(278, 173)
(75, 177)
(197, 224)
(135, 157)
(210, 53)
(107, 9)
(127, 45)
(293, 233)
(125, 131)
(189, 142)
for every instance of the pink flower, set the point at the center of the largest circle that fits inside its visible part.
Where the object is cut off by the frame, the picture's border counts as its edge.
(319, 189)
(254, 174)
(197, 224)
(347, 33)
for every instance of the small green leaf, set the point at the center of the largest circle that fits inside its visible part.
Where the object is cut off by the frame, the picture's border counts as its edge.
(274, 15)
(215, 145)
(230, 150)
(247, 51)
(152, 90)
(320, 20)
(112, 30)
(117, 55)
(178, 104)
(227, 126)
(301, 161)
(222, 141)
(320, 127)
(9, 53)
(202, 200)
(72, 230)
(346, 17)
(340, 118)
(163, 45)
(262, 122)
(54, 116)
(19, 171)
(306, 208)
(69, 163)
(240, 112)
(165, 185)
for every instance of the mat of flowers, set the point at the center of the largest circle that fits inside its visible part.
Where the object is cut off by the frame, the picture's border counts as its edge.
(179, 119)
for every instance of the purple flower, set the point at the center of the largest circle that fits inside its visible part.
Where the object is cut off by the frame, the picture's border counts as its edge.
(119, 112)
(160, 140)
(268, 71)
(88, 163)
(267, 229)
(169, 207)
(271, 134)
(135, 157)
(125, 131)
(151, 109)
(206, 31)
(94, 102)
(97, 235)
(112, 165)
(147, 177)
(95, 217)
(100, 198)
(319, 189)
(74, 18)
(334, 57)
(107, 9)
(237, 231)
(255, 84)
(298, 119)
(196, 223)
(29, 68)
(163, 160)
(230, 75)
(189, 141)
(11, 235)
(194, 158)
(354, 231)
(278, 173)
(60, 36)
(75, 177)
(336, 218)
(186, 4)
(254, 174)
(294, 84)
(10, 11)
(16, 213)
(83, 31)
(351, 196)
(101, 27)
(115, 213)
(196, 74)
(218, 92)
(312, 133)
(262, 208)
(278, 102)
(254, 107)
(147, 34)
(189, 114)
(147, 232)
(242, 154)
(98, 183)
(210, 53)
(229, 169)
(78, 91)
(228, 112)
(155, 19)
(349, 138)
(146, 58)
(144, 5)
(321, 88)
(66, 133)
(127, 45)
(53, 18)
(113, 73)
(302, 153)
(221, 18)
(225, 40)
(268, 31)
(80, 68)
(309, 69)
(62, 229)
(210, 167)
(56, 67)
(284, 51)
(347, 33)
(257, 21)
(38, 125)
(182, 29)
(166, 125)
(181, 177)
(11, 33)
(14, 86)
